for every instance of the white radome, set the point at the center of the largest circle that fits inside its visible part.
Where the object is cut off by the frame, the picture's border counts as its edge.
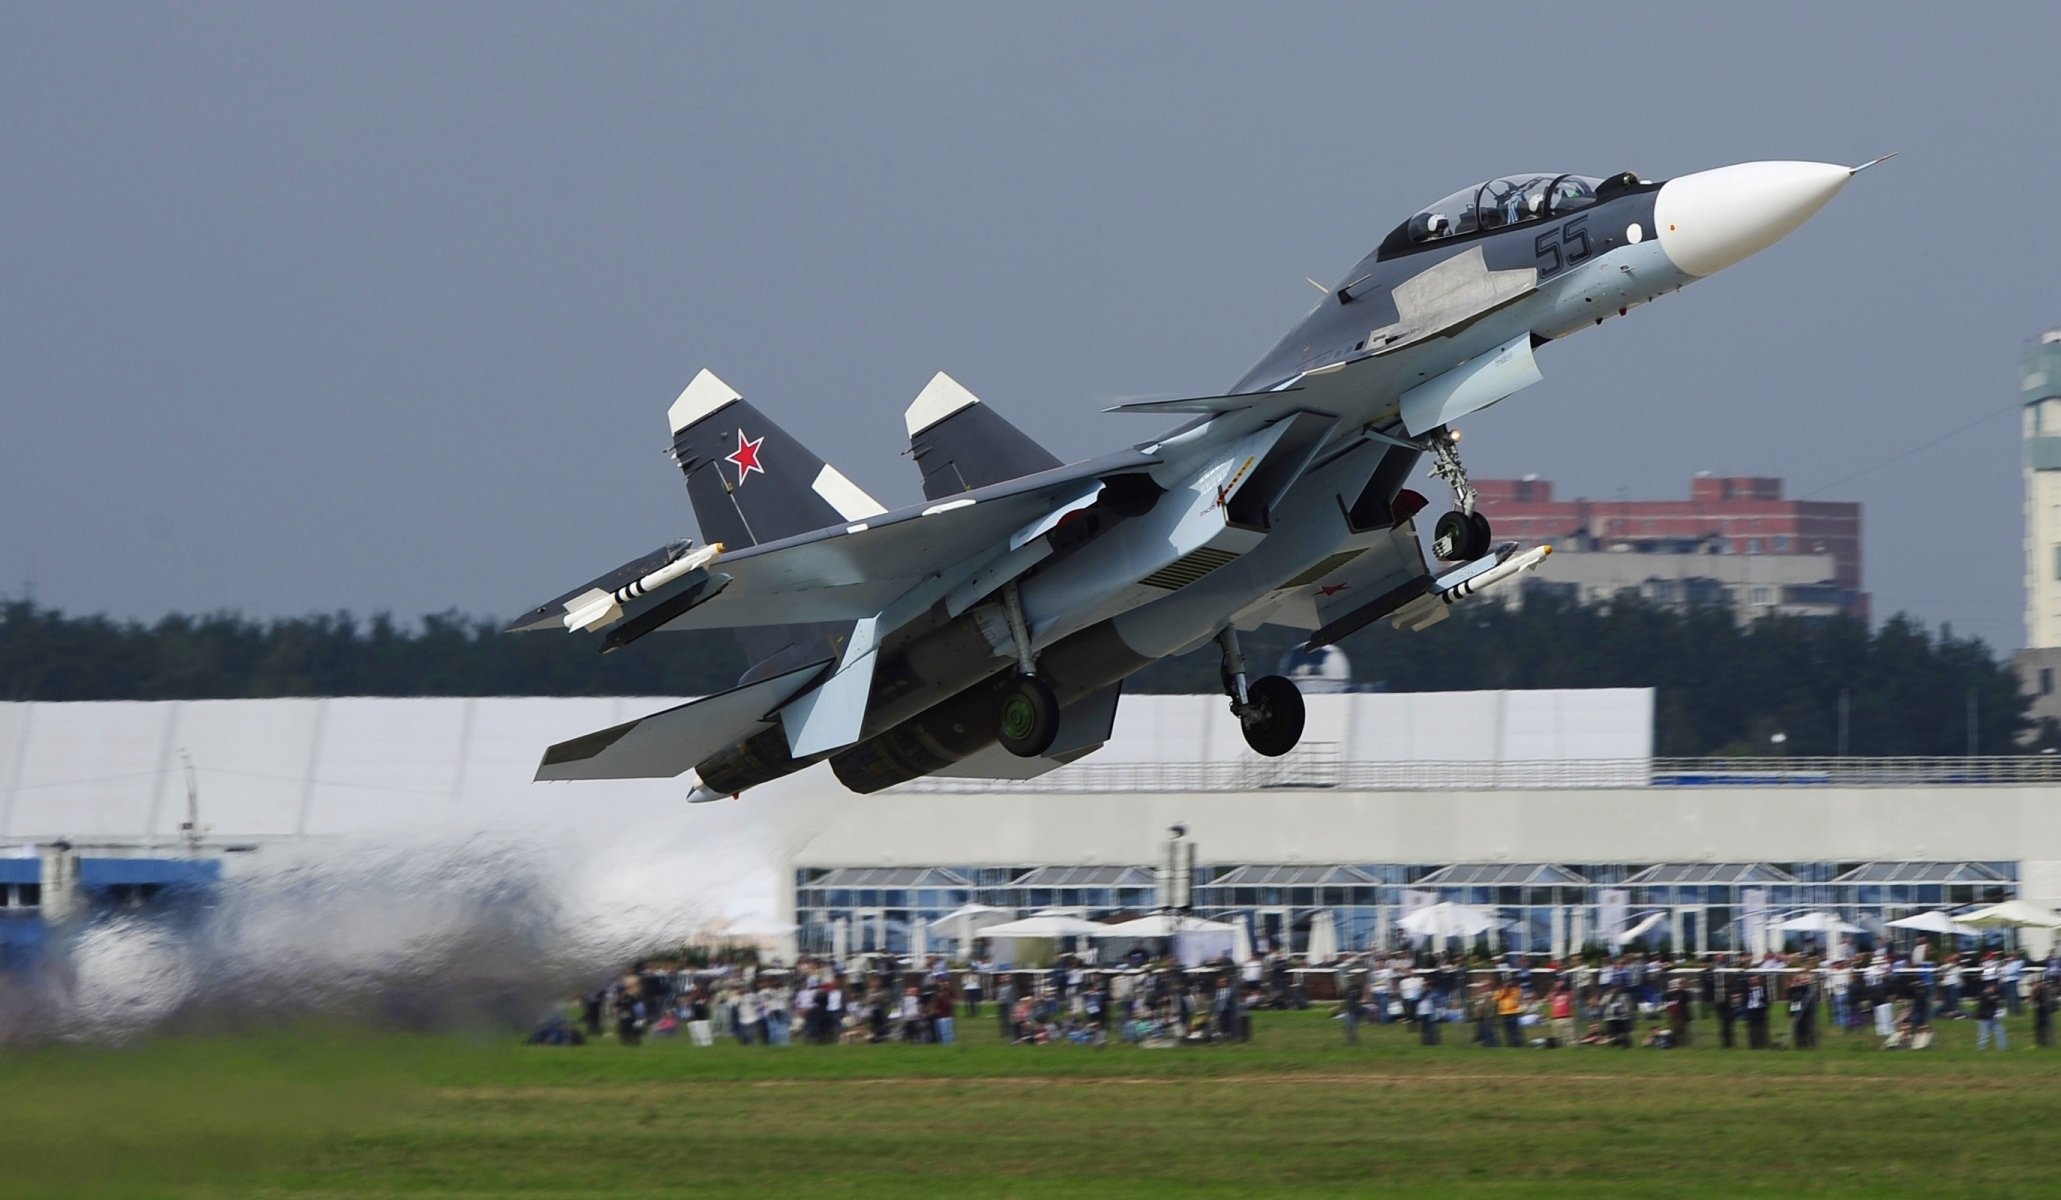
(1708, 220)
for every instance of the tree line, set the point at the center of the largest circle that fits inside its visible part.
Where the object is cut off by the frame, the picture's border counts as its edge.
(1720, 687)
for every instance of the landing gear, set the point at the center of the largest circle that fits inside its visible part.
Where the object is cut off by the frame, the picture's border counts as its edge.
(1030, 717)
(1463, 534)
(1273, 716)
(1269, 709)
(1030, 712)
(1460, 537)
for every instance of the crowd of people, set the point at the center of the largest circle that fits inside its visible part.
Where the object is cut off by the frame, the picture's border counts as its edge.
(1519, 1000)
(1760, 1002)
(822, 1002)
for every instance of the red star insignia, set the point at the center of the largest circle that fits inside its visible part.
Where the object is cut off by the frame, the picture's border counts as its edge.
(1332, 589)
(747, 456)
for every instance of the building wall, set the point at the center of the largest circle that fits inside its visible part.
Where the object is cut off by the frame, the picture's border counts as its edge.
(1737, 515)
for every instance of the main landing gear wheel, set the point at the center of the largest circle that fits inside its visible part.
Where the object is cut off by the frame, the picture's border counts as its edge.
(1460, 537)
(1030, 717)
(1273, 716)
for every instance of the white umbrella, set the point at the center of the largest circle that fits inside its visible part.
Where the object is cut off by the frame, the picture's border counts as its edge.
(1160, 925)
(1934, 922)
(1241, 940)
(1054, 926)
(919, 942)
(1323, 938)
(2012, 913)
(1645, 923)
(1446, 920)
(1817, 923)
(840, 939)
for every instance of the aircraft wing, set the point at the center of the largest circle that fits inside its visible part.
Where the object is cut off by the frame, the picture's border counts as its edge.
(845, 572)
(667, 743)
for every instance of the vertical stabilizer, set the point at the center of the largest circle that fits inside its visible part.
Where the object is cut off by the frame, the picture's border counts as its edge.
(749, 480)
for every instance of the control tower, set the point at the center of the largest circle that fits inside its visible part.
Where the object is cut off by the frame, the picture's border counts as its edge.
(2040, 662)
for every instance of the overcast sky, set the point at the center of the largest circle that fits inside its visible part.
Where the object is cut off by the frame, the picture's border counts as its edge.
(380, 307)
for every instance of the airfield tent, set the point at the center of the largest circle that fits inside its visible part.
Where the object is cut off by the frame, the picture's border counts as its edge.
(1195, 940)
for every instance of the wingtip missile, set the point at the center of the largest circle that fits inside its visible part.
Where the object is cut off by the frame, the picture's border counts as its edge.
(597, 609)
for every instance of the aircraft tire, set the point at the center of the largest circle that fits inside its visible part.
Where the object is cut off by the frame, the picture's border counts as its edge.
(1278, 726)
(1450, 536)
(1484, 537)
(1030, 717)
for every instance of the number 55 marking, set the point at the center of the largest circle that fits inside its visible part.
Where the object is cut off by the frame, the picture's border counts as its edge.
(1568, 244)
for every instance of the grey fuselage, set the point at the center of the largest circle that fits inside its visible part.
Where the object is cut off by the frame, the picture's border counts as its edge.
(1163, 575)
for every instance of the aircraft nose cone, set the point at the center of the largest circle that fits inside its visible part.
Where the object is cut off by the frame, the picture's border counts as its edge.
(1712, 219)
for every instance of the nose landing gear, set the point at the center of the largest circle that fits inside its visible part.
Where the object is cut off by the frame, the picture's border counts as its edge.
(1269, 709)
(1463, 534)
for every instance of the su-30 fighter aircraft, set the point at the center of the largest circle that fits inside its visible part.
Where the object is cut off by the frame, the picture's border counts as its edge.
(988, 631)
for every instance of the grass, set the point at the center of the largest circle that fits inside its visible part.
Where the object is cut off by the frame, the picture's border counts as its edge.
(342, 1113)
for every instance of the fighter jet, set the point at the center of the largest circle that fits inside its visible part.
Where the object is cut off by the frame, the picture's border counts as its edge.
(988, 631)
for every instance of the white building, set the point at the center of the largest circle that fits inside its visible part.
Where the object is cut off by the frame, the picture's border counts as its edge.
(1546, 805)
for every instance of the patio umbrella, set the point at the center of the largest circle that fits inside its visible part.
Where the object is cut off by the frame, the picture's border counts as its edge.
(1447, 920)
(1645, 923)
(919, 942)
(1934, 922)
(840, 939)
(1044, 926)
(1323, 945)
(1817, 923)
(1160, 925)
(2011, 913)
(1241, 939)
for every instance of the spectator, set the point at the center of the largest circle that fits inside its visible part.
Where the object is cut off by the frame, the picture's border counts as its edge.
(1481, 1009)
(973, 991)
(1756, 1013)
(1352, 1000)
(1005, 1005)
(1681, 1008)
(2043, 1004)
(2010, 974)
(1803, 1013)
(941, 1016)
(1617, 1017)
(1560, 1009)
(1989, 1017)
(1731, 1007)
(697, 1019)
(1510, 1011)
(1950, 983)
(773, 1008)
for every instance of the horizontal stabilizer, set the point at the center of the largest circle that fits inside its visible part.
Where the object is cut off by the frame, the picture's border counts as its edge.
(961, 444)
(669, 743)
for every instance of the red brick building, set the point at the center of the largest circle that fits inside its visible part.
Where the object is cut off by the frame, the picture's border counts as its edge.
(1735, 515)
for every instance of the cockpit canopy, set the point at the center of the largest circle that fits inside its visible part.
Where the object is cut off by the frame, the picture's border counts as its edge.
(1504, 200)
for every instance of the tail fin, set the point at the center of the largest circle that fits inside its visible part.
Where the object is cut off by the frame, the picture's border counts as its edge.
(962, 444)
(749, 480)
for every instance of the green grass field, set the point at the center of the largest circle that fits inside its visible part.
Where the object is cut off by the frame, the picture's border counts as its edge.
(310, 1113)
